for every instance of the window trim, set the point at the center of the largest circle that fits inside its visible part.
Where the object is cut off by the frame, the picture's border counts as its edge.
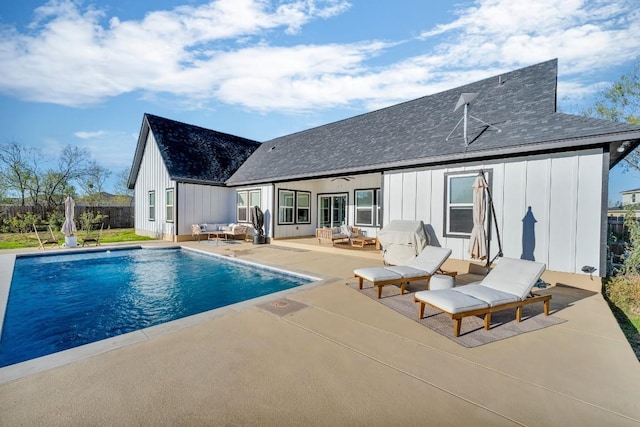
(374, 208)
(151, 212)
(282, 191)
(248, 192)
(172, 205)
(446, 205)
(307, 208)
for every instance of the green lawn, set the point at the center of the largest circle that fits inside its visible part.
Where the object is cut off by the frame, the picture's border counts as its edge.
(29, 240)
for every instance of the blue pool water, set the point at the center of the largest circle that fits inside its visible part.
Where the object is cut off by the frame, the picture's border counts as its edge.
(58, 302)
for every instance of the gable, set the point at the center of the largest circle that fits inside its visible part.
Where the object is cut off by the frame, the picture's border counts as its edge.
(192, 153)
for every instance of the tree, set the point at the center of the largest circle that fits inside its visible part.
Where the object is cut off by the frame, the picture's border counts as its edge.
(53, 186)
(621, 103)
(92, 182)
(122, 185)
(18, 167)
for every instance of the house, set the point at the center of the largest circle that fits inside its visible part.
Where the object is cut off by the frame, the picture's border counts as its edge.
(630, 197)
(178, 176)
(547, 171)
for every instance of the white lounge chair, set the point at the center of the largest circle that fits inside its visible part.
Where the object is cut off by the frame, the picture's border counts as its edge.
(422, 267)
(507, 285)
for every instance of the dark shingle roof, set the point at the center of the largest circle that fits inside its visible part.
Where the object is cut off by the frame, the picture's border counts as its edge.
(194, 154)
(521, 103)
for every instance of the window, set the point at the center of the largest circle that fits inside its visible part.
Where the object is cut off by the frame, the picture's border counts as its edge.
(169, 205)
(368, 207)
(286, 199)
(303, 207)
(332, 210)
(152, 205)
(294, 207)
(459, 204)
(245, 200)
(378, 210)
(243, 206)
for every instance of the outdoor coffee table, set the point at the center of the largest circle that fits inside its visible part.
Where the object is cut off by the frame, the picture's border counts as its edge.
(216, 234)
(361, 241)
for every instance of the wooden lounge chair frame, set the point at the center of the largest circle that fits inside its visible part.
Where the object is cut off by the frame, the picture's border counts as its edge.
(457, 317)
(404, 282)
(96, 240)
(48, 241)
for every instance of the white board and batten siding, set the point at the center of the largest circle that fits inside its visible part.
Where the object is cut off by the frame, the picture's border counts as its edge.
(202, 204)
(152, 176)
(554, 200)
(266, 203)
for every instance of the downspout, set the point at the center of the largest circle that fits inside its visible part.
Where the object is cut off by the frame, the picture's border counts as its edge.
(175, 213)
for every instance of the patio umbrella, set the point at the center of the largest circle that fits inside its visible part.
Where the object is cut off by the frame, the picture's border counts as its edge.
(478, 241)
(69, 227)
(257, 219)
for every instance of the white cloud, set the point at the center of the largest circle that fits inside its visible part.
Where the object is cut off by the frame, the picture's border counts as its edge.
(70, 58)
(221, 51)
(89, 135)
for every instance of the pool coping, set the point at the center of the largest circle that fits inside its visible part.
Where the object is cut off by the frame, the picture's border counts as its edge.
(43, 363)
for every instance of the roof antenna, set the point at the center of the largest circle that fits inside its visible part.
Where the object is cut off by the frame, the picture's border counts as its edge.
(465, 99)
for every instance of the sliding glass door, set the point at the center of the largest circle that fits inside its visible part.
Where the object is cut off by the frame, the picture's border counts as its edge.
(333, 210)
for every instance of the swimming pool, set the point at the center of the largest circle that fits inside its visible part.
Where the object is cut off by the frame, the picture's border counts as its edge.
(61, 301)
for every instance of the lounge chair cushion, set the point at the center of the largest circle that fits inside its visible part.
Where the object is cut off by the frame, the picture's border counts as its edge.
(408, 272)
(450, 300)
(514, 276)
(430, 259)
(491, 296)
(377, 274)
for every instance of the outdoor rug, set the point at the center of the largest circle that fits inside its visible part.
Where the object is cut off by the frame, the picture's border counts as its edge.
(472, 333)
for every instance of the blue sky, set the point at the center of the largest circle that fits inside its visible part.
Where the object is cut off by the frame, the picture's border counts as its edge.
(83, 73)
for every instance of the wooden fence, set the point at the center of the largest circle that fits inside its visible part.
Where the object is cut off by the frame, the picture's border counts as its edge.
(116, 216)
(620, 231)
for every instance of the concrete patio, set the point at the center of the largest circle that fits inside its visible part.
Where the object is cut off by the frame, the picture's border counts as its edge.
(338, 357)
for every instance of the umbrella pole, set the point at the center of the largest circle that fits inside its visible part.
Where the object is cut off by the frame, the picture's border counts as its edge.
(495, 222)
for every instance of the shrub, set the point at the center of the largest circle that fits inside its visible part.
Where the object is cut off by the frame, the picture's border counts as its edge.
(631, 263)
(56, 219)
(21, 223)
(89, 220)
(624, 292)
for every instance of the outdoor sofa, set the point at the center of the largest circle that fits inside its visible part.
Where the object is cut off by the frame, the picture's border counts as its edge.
(507, 285)
(426, 264)
(226, 231)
